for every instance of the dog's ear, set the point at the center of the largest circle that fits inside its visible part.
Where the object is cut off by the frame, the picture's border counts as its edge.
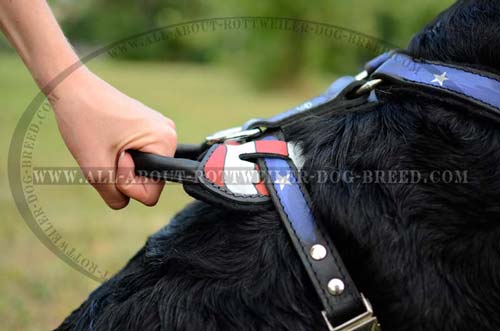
(467, 33)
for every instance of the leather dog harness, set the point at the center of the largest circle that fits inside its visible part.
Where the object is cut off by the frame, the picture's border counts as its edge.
(255, 166)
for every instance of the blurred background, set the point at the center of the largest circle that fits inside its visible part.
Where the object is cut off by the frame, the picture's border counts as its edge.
(204, 81)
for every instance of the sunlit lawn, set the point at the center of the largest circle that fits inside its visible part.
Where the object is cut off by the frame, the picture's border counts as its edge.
(37, 290)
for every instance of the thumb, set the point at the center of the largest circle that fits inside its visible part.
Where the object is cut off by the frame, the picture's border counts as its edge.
(145, 190)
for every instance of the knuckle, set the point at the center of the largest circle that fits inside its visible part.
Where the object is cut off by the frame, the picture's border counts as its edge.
(170, 123)
(117, 204)
(168, 136)
(150, 200)
(173, 137)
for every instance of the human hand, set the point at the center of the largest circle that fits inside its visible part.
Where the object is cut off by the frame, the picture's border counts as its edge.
(99, 123)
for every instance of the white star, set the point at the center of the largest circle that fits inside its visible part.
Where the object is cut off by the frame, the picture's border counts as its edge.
(440, 79)
(282, 181)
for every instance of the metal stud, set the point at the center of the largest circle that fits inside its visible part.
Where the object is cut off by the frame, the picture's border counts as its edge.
(336, 286)
(318, 252)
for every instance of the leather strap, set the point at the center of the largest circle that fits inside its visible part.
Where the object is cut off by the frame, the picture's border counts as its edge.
(480, 88)
(293, 205)
(333, 96)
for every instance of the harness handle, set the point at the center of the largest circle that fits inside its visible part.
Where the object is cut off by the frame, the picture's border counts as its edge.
(181, 168)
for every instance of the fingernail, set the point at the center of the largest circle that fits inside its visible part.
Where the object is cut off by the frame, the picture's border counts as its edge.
(122, 154)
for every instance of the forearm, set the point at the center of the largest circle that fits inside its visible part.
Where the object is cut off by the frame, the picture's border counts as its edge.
(98, 122)
(33, 31)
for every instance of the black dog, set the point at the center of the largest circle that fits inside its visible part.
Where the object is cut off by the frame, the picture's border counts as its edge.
(427, 255)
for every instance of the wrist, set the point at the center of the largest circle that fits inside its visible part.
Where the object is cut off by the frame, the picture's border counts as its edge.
(51, 75)
(72, 82)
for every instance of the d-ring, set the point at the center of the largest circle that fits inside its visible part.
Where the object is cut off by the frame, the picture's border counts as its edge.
(368, 86)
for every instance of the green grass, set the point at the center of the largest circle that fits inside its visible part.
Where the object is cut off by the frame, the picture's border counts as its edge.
(37, 290)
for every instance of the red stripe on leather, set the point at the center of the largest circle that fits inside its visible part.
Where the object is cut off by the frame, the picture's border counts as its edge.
(215, 166)
(271, 147)
(261, 186)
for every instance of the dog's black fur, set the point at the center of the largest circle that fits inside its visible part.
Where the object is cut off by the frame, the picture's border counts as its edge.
(427, 255)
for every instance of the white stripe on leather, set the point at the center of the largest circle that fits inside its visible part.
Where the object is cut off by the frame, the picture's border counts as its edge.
(240, 176)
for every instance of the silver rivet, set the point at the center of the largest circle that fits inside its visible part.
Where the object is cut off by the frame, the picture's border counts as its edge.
(336, 286)
(318, 252)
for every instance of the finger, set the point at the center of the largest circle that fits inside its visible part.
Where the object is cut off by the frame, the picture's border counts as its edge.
(102, 181)
(112, 196)
(145, 190)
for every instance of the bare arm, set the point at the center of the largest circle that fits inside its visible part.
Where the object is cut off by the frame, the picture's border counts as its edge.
(33, 31)
(97, 122)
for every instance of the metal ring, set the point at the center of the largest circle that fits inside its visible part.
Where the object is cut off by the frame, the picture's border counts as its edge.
(233, 133)
(368, 86)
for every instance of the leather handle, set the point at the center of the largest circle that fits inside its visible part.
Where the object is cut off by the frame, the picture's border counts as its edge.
(161, 167)
(189, 151)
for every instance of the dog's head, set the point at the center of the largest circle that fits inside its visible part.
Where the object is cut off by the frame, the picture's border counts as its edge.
(425, 250)
(466, 33)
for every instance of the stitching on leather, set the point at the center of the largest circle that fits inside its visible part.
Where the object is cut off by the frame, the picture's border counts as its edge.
(463, 94)
(446, 89)
(456, 68)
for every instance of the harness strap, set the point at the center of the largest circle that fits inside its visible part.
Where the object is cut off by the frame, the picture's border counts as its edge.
(314, 106)
(474, 86)
(344, 306)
